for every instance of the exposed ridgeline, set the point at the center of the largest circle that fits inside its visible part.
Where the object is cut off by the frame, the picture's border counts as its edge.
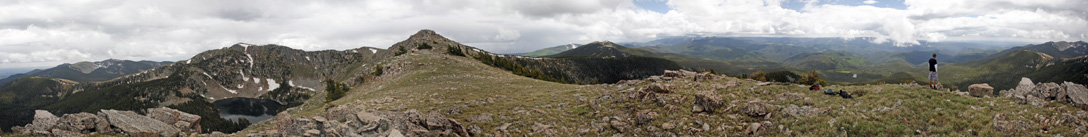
(1003, 71)
(1060, 49)
(595, 49)
(609, 66)
(552, 50)
(89, 71)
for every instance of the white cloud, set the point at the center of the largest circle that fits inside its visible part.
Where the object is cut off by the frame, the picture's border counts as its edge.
(32, 32)
(869, 2)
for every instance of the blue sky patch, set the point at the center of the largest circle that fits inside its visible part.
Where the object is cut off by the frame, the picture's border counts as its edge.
(653, 5)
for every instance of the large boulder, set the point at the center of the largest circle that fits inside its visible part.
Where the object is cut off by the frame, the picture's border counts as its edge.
(678, 73)
(1076, 94)
(138, 125)
(42, 124)
(373, 123)
(183, 121)
(1021, 89)
(672, 73)
(1047, 90)
(979, 90)
(707, 101)
(83, 122)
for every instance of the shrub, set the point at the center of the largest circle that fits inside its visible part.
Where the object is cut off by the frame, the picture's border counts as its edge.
(424, 46)
(378, 70)
(782, 76)
(758, 75)
(334, 90)
(811, 78)
(400, 51)
(455, 51)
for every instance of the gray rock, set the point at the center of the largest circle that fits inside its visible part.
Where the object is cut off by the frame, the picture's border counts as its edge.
(805, 111)
(1002, 123)
(754, 129)
(65, 133)
(645, 117)
(710, 101)
(668, 126)
(138, 125)
(696, 108)
(979, 90)
(312, 133)
(475, 130)
(42, 124)
(1035, 101)
(481, 118)
(789, 96)
(658, 88)
(756, 108)
(83, 122)
(618, 125)
(183, 121)
(673, 73)
(371, 123)
(705, 76)
(1076, 94)
(1047, 90)
(395, 133)
(543, 129)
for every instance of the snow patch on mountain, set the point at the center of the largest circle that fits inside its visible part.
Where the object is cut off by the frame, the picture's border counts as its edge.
(272, 84)
(229, 90)
(292, 83)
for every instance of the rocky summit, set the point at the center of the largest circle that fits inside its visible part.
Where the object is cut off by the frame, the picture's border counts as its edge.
(158, 122)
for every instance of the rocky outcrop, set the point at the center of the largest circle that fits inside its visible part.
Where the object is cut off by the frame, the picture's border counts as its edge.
(979, 90)
(678, 73)
(1076, 94)
(1041, 93)
(138, 125)
(706, 76)
(159, 122)
(84, 123)
(181, 120)
(366, 123)
(43, 123)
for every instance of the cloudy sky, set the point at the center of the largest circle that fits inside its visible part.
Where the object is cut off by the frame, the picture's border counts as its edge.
(43, 33)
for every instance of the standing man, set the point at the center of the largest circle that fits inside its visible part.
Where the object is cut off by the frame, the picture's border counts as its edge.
(933, 71)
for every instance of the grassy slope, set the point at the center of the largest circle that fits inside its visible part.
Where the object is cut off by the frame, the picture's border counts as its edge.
(431, 82)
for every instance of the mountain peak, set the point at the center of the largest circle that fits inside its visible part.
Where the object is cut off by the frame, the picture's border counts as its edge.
(425, 34)
(603, 44)
(596, 49)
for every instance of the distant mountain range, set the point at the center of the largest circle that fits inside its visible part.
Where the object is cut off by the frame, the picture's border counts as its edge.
(839, 60)
(89, 71)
